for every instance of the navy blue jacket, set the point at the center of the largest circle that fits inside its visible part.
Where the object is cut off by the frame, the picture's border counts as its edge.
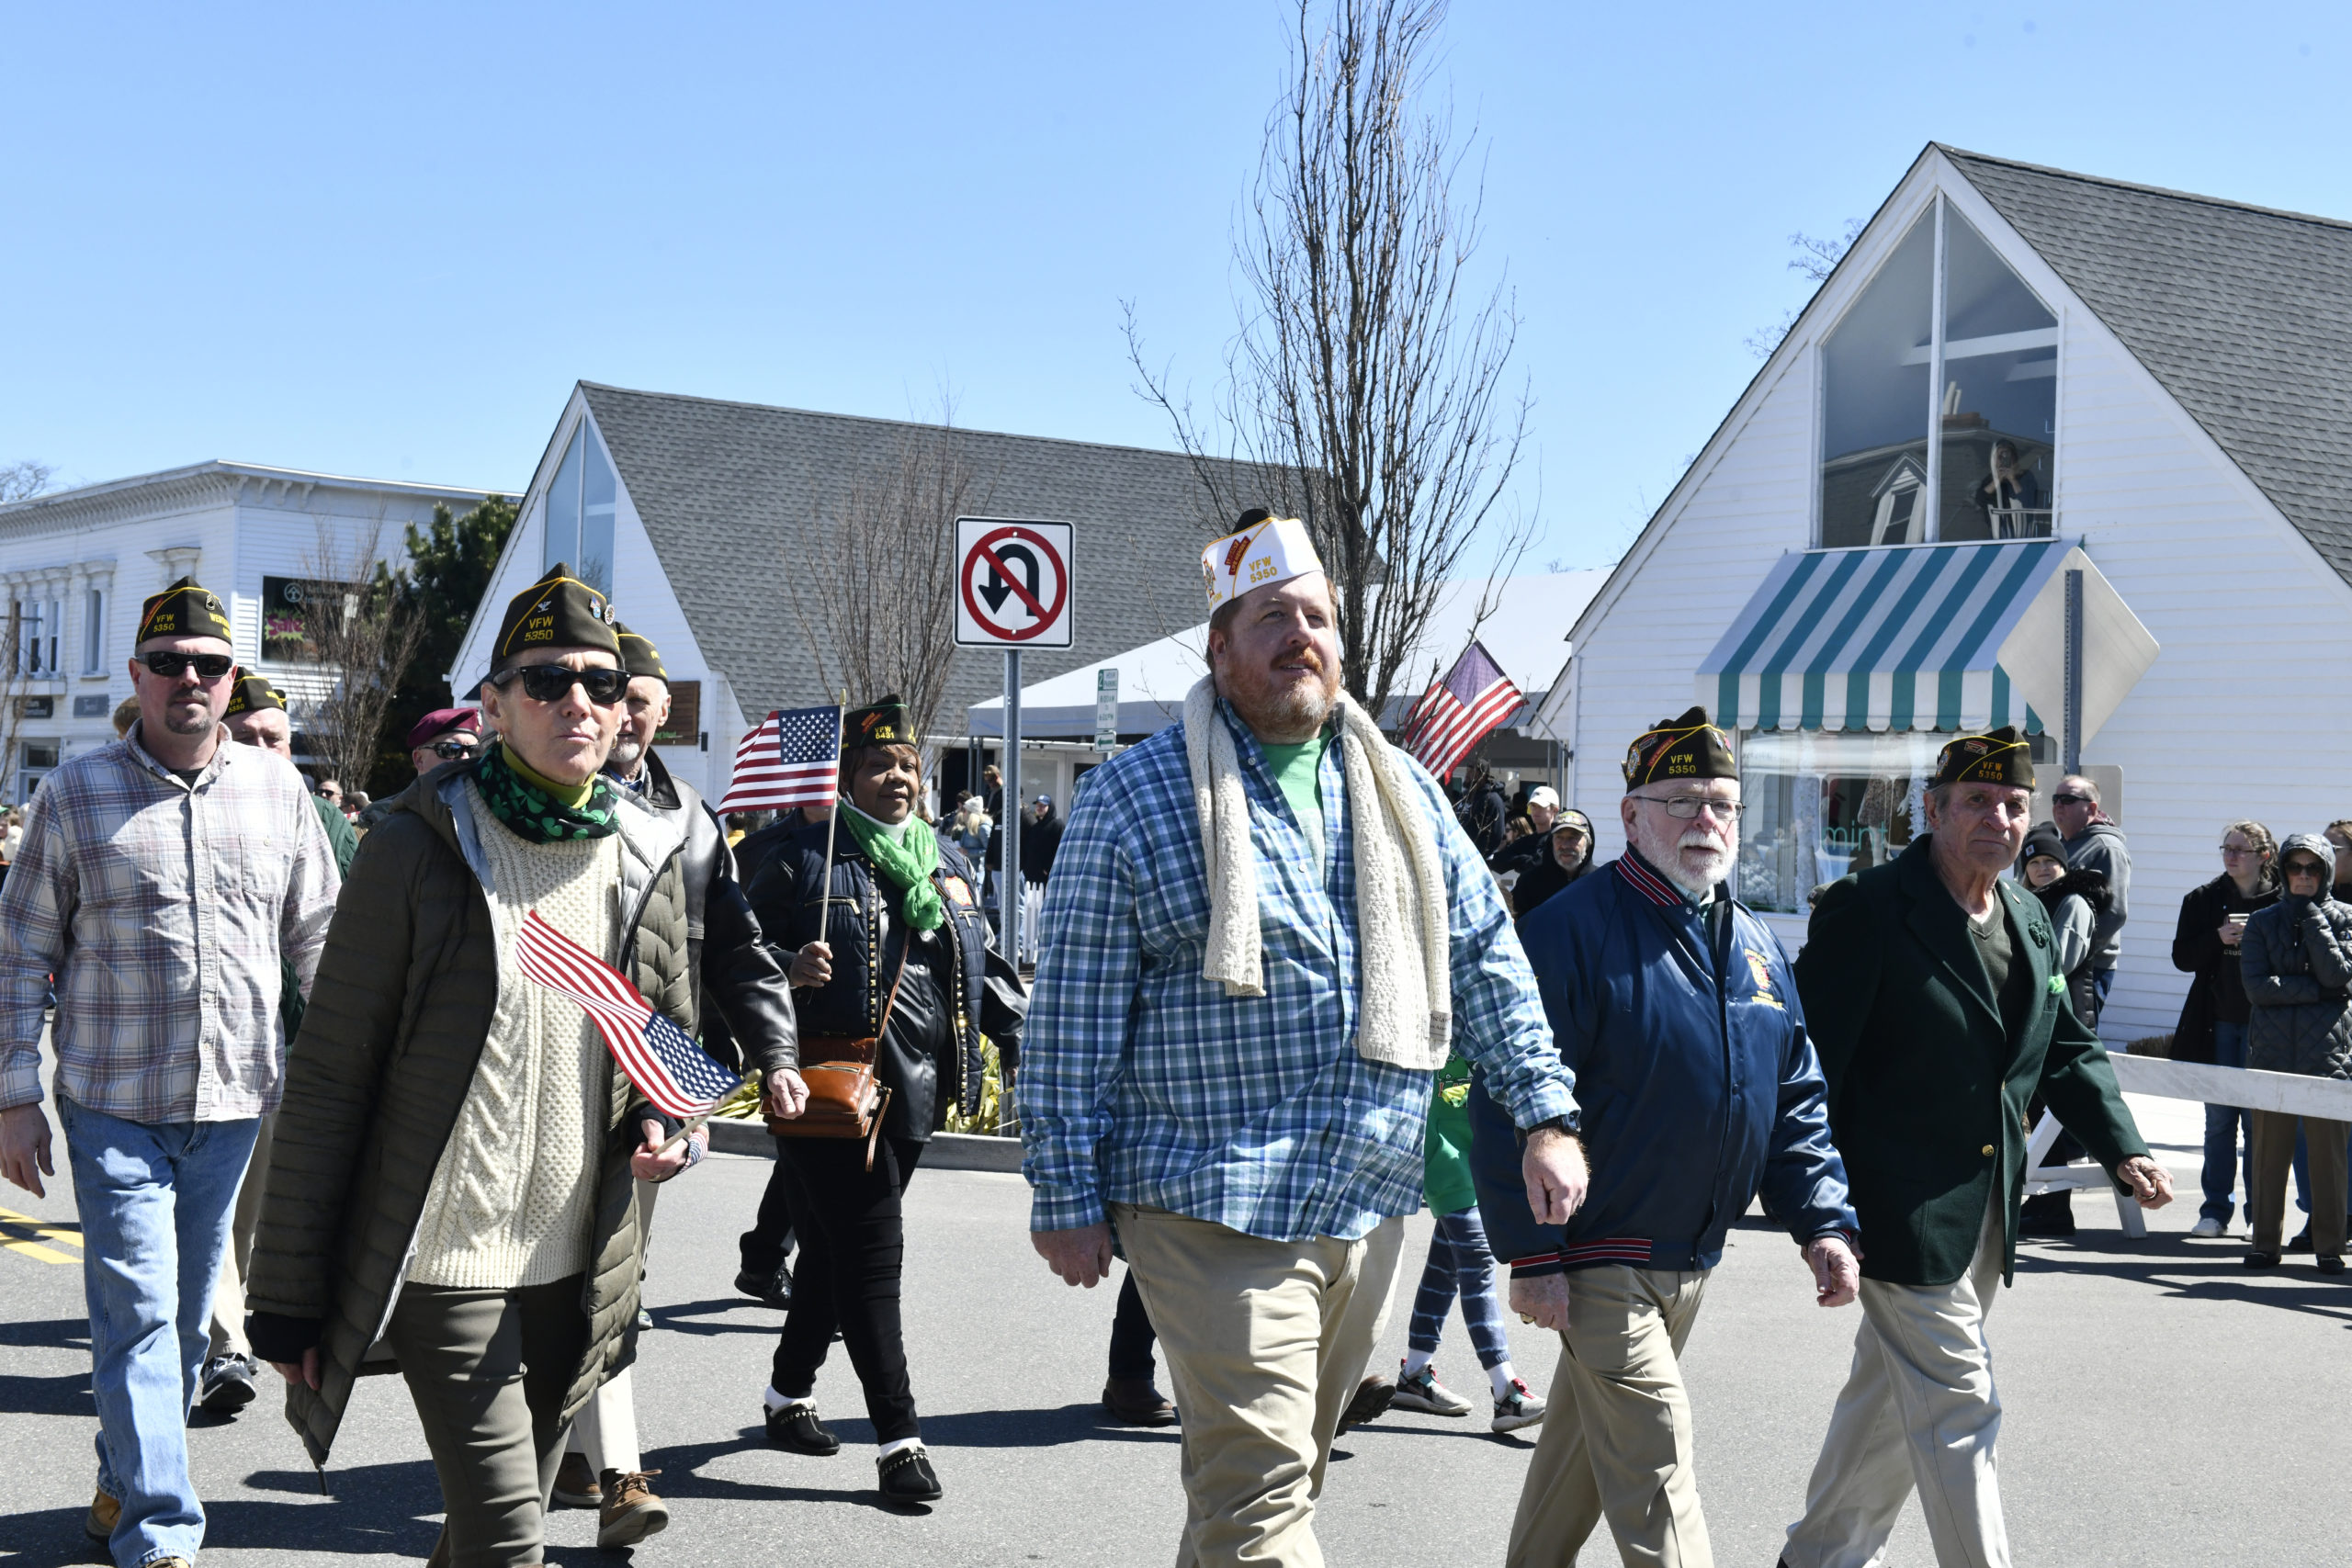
(1696, 1084)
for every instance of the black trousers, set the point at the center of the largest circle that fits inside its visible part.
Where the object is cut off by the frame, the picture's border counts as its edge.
(852, 1243)
(769, 1241)
(1131, 1334)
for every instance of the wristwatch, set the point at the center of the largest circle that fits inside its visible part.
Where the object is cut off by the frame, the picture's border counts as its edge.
(1556, 1123)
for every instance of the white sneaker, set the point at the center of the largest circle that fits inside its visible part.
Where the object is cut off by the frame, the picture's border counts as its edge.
(1421, 1391)
(2207, 1228)
(1518, 1408)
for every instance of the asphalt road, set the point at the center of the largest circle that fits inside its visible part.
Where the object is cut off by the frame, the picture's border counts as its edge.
(2162, 1408)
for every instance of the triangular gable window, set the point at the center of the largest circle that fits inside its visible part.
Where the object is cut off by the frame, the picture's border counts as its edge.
(1983, 378)
(581, 501)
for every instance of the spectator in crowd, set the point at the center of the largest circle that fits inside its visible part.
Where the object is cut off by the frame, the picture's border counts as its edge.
(12, 839)
(1041, 840)
(973, 829)
(2339, 839)
(456, 1160)
(1702, 1091)
(2207, 945)
(992, 796)
(126, 714)
(1928, 989)
(1208, 1069)
(256, 716)
(331, 791)
(355, 804)
(444, 737)
(1483, 810)
(1459, 1268)
(2298, 959)
(2070, 899)
(2095, 843)
(900, 902)
(167, 880)
(1568, 856)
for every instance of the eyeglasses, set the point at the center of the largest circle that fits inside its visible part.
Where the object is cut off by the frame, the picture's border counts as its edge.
(1686, 807)
(2229, 853)
(452, 749)
(209, 667)
(2070, 799)
(553, 683)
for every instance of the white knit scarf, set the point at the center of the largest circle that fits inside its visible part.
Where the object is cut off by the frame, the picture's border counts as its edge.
(1405, 977)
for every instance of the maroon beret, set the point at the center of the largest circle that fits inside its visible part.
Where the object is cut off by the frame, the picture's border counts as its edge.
(440, 720)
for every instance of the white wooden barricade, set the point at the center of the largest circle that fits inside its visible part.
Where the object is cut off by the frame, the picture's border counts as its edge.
(2288, 1093)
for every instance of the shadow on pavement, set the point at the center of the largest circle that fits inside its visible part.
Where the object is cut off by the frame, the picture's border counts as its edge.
(694, 1317)
(681, 1464)
(47, 1334)
(50, 1538)
(2215, 1275)
(65, 1394)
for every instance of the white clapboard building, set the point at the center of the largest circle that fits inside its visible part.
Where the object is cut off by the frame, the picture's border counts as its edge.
(75, 565)
(2168, 381)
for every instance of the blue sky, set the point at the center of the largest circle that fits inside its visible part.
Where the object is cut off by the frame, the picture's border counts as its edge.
(386, 240)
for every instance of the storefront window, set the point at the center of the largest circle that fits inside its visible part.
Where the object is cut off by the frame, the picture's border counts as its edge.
(1824, 804)
(2000, 406)
(1874, 403)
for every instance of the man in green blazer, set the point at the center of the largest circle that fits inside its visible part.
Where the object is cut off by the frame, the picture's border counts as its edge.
(1930, 987)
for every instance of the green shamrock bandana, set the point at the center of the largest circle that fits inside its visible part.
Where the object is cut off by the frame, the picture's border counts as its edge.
(906, 865)
(531, 813)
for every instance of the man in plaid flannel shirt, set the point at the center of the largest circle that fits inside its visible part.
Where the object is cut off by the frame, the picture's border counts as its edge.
(1256, 1164)
(164, 881)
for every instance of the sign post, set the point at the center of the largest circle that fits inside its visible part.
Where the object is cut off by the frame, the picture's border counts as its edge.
(1013, 591)
(1106, 709)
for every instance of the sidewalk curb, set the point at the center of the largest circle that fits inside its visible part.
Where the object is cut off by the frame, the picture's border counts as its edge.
(946, 1151)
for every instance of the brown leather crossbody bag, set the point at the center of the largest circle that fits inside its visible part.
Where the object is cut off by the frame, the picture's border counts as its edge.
(846, 1100)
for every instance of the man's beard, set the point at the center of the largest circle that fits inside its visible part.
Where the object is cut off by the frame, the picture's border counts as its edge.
(626, 753)
(1664, 853)
(194, 720)
(1293, 708)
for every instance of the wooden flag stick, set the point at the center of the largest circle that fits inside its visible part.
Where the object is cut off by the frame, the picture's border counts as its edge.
(833, 826)
(683, 1133)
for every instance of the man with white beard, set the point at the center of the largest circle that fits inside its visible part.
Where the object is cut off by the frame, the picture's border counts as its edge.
(1675, 1007)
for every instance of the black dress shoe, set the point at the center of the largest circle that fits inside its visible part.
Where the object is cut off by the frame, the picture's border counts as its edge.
(2331, 1263)
(775, 1293)
(798, 1428)
(2302, 1242)
(1133, 1402)
(2262, 1261)
(907, 1477)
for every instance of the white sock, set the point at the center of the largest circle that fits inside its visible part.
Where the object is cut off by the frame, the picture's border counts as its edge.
(900, 1447)
(777, 1401)
(1416, 1360)
(1502, 1377)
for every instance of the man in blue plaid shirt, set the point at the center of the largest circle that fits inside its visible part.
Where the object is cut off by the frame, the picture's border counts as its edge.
(1215, 1062)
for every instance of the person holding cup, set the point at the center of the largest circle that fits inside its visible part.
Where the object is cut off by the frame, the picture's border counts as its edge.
(2205, 945)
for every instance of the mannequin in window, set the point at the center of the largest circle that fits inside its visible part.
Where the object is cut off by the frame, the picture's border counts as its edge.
(2007, 490)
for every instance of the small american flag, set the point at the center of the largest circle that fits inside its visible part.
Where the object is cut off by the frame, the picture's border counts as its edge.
(660, 1058)
(1458, 712)
(792, 758)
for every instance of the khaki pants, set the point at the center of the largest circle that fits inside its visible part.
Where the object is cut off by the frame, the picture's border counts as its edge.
(229, 1284)
(1616, 1440)
(2274, 1153)
(1918, 1410)
(1265, 1343)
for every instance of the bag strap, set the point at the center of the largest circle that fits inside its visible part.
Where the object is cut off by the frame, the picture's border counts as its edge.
(891, 1001)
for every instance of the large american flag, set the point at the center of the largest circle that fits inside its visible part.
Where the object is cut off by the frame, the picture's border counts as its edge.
(793, 756)
(660, 1058)
(1458, 712)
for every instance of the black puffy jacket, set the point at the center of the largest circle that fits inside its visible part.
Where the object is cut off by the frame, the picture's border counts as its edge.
(2298, 959)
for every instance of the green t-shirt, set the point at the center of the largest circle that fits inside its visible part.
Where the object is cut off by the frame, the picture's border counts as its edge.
(1445, 1153)
(1298, 774)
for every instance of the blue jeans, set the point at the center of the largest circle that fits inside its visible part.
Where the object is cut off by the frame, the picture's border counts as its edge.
(155, 1203)
(2224, 1162)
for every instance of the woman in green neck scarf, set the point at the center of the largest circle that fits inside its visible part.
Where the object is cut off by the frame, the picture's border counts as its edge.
(543, 778)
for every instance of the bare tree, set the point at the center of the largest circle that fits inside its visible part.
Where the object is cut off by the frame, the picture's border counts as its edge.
(1817, 258)
(14, 680)
(23, 481)
(1365, 388)
(878, 615)
(351, 626)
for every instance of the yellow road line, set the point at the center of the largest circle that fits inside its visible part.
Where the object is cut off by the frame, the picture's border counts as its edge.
(11, 1220)
(32, 1250)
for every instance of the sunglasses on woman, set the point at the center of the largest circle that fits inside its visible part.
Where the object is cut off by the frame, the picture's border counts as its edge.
(209, 667)
(553, 683)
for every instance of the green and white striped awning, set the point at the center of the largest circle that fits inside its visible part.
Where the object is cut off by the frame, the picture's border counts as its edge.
(1923, 637)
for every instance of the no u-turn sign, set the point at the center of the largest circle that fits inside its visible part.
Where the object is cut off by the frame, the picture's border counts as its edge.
(1013, 584)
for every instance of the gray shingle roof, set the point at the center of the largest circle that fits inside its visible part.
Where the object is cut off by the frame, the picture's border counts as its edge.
(2242, 313)
(732, 494)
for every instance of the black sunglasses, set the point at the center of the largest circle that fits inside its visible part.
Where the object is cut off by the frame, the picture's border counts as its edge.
(452, 749)
(209, 667)
(553, 683)
(2071, 799)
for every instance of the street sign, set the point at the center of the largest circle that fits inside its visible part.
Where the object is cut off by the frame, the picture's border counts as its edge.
(1106, 708)
(1013, 584)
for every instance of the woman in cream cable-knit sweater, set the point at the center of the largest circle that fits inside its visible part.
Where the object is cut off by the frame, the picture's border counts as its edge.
(455, 1163)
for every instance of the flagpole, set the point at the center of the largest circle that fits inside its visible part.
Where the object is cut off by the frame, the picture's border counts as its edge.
(684, 1133)
(833, 825)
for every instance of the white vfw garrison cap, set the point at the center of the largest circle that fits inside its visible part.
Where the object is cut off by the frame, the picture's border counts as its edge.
(1264, 550)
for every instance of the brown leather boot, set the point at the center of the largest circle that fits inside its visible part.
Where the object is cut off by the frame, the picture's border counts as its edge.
(631, 1511)
(1134, 1402)
(575, 1485)
(105, 1514)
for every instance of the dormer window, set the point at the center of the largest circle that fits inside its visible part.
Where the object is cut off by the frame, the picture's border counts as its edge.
(581, 501)
(1981, 373)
